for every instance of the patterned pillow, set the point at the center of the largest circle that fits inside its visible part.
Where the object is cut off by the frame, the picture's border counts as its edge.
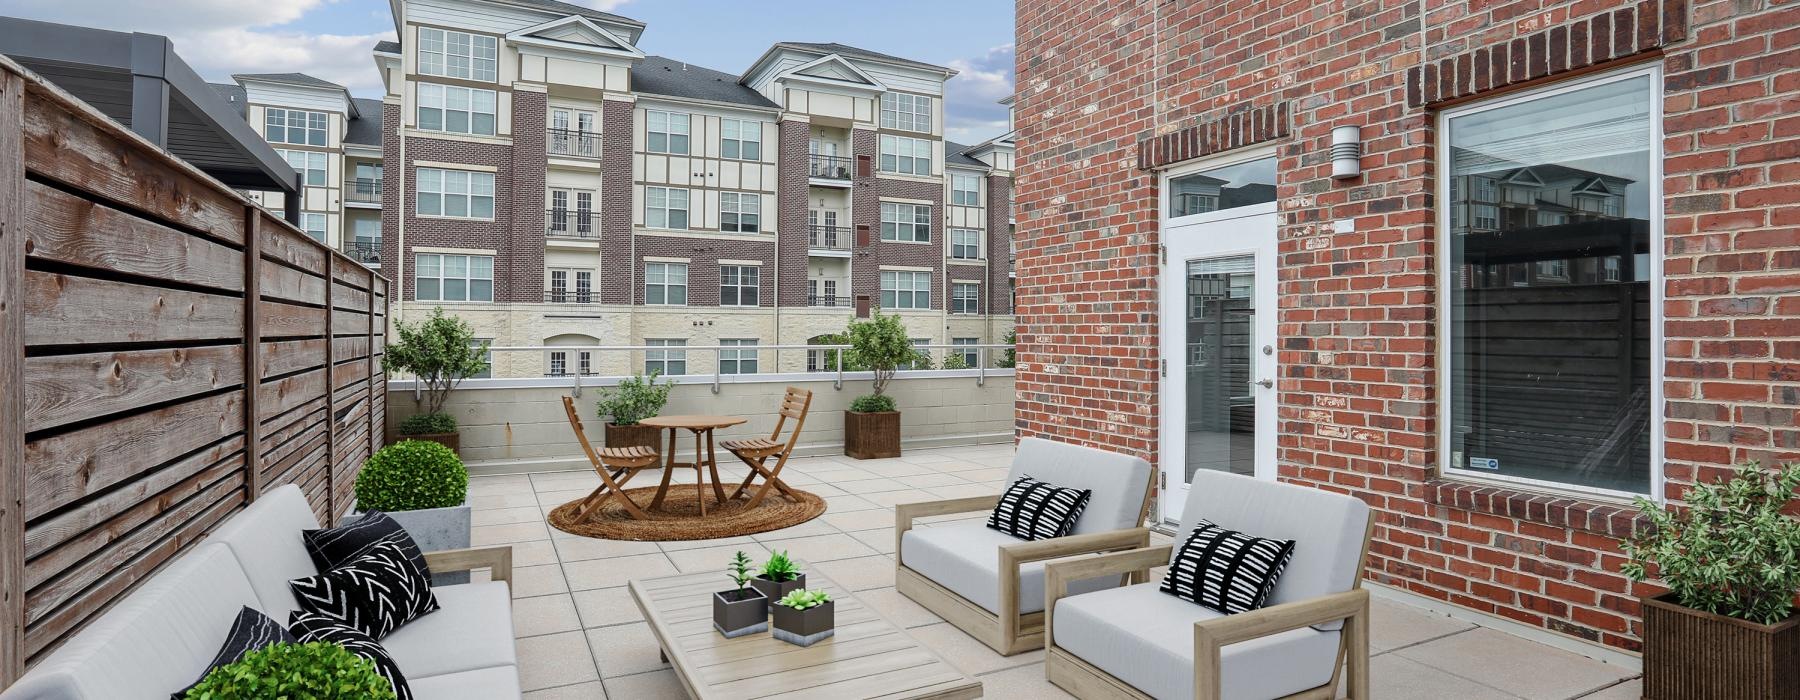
(251, 630)
(1226, 570)
(333, 547)
(376, 593)
(1037, 510)
(310, 627)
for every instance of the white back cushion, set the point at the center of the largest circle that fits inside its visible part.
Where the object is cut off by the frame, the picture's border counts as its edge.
(266, 539)
(1118, 481)
(154, 642)
(1327, 528)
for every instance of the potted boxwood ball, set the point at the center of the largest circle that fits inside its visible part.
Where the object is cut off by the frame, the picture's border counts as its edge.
(424, 487)
(779, 576)
(1731, 561)
(635, 398)
(804, 617)
(742, 610)
(319, 670)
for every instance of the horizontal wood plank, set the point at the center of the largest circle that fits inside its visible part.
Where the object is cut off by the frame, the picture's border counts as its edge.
(282, 242)
(150, 488)
(63, 468)
(69, 310)
(288, 284)
(277, 320)
(68, 229)
(62, 389)
(289, 356)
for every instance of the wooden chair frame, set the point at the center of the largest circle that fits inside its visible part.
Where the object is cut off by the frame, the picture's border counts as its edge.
(617, 469)
(796, 403)
(1008, 632)
(1084, 680)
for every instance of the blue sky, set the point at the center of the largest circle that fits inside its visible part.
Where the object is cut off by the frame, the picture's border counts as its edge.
(330, 38)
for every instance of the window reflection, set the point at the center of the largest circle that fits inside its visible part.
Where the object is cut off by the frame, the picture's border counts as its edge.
(1229, 187)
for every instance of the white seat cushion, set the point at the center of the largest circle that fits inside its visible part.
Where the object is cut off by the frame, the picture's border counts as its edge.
(1118, 481)
(1146, 638)
(266, 539)
(965, 558)
(497, 683)
(471, 630)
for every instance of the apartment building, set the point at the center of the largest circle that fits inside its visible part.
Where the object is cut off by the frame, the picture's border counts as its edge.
(552, 184)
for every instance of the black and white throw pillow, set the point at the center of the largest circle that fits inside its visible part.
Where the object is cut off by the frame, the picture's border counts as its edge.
(331, 548)
(312, 627)
(1226, 570)
(1037, 510)
(251, 630)
(375, 593)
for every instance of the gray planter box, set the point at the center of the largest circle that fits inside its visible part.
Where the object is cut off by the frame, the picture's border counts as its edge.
(776, 590)
(435, 530)
(805, 627)
(735, 617)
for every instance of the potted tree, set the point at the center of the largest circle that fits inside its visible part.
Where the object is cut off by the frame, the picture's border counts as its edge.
(321, 670)
(879, 345)
(439, 352)
(779, 576)
(635, 398)
(424, 487)
(804, 617)
(1731, 562)
(742, 610)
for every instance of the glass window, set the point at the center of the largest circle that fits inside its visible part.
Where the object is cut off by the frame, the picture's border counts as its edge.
(905, 222)
(965, 190)
(904, 155)
(905, 290)
(440, 277)
(665, 207)
(666, 132)
(313, 225)
(487, 357)
(309, 164)
(1229, 187)
(457, 54)
(965, 298)
(738, 356)
(668, 362)
(1541, 278)
(569, 286)
(739, 138)
(965, 244)
(907, 112)
(665, 284)
(740, 212)
(966, 347)
(455, 193)
(295, 126)
(457, 110)
(738, 285)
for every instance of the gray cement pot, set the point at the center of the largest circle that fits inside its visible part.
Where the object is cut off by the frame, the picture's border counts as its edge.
(435, 530)
(776, 590)
(735, 616)
(805, 627)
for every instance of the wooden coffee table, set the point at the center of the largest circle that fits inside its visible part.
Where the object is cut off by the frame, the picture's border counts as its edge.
(869, 657)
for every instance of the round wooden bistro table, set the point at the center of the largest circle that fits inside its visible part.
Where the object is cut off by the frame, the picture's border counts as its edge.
(703, 456)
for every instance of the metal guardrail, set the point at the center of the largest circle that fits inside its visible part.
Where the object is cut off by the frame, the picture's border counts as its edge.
(574, 143)
(552, 296)
(365, 252)
(828, 167)
(571, 223)
(363, 191)
(830, 301)
(832, 238)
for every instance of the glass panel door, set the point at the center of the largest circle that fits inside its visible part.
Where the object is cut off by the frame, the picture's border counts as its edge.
(1220, 430)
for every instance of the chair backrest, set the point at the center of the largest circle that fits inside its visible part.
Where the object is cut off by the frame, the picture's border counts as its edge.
(267, 541)
(1329, 530)
(795, 404)
(580, 435)
(1120, 483)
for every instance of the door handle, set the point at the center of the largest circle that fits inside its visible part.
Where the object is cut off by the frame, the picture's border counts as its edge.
(1265, 383)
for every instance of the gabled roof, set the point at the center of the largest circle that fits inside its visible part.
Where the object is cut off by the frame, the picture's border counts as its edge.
(289, 78)
(958, 154)
(385, 46)
(833, 69)
(576, 33)
(847, 50)
(658, 75)
(569, 9)
(366, 129)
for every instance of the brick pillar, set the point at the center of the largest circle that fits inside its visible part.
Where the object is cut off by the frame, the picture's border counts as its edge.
(616, 201)
(997, 293)
(865, 211)
(393, 202)
(524, 208)
(790, 204)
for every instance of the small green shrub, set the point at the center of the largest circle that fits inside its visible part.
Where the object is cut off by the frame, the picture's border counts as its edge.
(316, 671)
(739, 571)
(428, 424)
(635, 399)
(872, 403)
(780, 568)
(1010, 356)
(1731, 551)
(955, 360)
(412, 475)
(803, 598)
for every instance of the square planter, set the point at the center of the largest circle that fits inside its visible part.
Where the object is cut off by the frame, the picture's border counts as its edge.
(805, 627)
(775, 590)
(435, 530)
(1691, 655)
(633, 436)
(872, 435)
(736, 616)
(450, 440)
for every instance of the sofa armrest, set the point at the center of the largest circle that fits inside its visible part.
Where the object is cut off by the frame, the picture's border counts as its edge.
(1057, 575)
(906, 513)
(1212, 636)
(496, 559)
(1017, 554)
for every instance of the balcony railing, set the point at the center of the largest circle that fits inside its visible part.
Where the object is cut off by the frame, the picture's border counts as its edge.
(828, 167)
(571, 223)
(566, 296)
(365, 252)
(576, 144)
(363, 191)
(713, 363)
(831, 238)
(834, 301)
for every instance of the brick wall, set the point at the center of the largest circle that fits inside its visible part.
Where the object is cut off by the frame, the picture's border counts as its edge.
(866, 210)
(496, 235)
(791, 206)
(617, 278)
(525, 265)
(393, 201)
(996, 297)
(703, 256)
(1103, 89)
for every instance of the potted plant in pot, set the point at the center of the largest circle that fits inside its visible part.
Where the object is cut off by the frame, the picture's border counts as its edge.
(1731, 562)
(742, 610)
(321, 670)
(424, 487)
(779, 576)
(880, 345)
(804, 617)
(438, 352)
(635, 398)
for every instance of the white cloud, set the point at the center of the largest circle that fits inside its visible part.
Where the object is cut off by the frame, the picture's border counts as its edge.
(602, 5)
(971, 99)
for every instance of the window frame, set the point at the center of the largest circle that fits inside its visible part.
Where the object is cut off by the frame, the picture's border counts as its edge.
(472, 59)
(738, 285)
(468, 277)
(308, 126)
(737, 355)
(914, 225)
(666, 355)
(954, 245)
(668, 208)
(306, 219)
(469, 193)
(444, 109)
(1441, 189)
(912, 112)
(668, 132)
(913, 293)
(957, 193)
(739, 222)
(884, 153)
(306, 169)
(957, 300)
(744, 127)
(667, 284)
(971, 356)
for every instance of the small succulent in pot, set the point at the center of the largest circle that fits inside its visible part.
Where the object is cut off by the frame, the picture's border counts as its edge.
(780, 575)
(742, 610)
(805, 617)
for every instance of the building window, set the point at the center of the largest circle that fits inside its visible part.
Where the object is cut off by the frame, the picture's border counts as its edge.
(965, 190)
(919, 345)
(904, 155)
(487, 357)
(310, 164)
(667, 362)
(570, 218)
(905, 112)
(665, 284)
(965, 298)
(1229, 187)
(821, 292)
(971, 356)
(559, 362)
(295, 126)
(737, 356)
(570, 286)
(738, 285)
(905, 290)
(439, 277)
(740, 212)
(457, 110)
(905, 222)
(965, 244)
(741, 139)
(1543, 386)
(313, 225)
(457, 54)
(456, 194)
(665, 207)
(667, 132)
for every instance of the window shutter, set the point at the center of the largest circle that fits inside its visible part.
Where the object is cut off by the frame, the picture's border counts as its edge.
(865, 165)
(862, 235)
(862, 306)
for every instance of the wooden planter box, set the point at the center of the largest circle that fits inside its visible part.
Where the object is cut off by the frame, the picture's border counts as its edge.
(872, 435)
(1694, 655)
(633, 436)
(450, 440)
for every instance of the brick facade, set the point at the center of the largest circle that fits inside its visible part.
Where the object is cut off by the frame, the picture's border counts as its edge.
(617, 276)
(393, 201)
(1105, 89)
(437, 232)
(703, 256)
(996, 293)
(525, 262)
(791, 198)
(866, 211)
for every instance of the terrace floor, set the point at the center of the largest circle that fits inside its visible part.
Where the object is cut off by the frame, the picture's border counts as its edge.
(580, 635)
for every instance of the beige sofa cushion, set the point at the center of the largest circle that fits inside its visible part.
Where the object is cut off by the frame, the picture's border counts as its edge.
(965, 558)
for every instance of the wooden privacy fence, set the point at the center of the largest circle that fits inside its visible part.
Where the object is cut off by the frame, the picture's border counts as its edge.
(168, 351)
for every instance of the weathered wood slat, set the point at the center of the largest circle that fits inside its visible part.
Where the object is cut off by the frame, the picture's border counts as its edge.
(349, 271)
(349, 323)
(173, 478)
(281, 241)
(73, 465)
(278, 320)
(347, 373)
(286, 283)
(284, 394)
(62, 389)
(292, 461)
(289, 356)
(353, 347)
(69, 310)
(349, 298)
(69, 229)
(12, 356)
(53, 578)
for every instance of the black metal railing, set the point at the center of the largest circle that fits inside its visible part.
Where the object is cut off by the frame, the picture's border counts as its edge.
(365, 251)
(571, 296)
(828, 167)
(834, 238)
(835, 301)
(571, 223)
(570, 142)
(363, 191)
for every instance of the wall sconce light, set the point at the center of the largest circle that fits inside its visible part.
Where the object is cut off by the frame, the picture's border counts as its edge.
(1346, 152)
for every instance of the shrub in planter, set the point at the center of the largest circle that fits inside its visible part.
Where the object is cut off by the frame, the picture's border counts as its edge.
(319, 671)
(879, 344)
(805, 617)
(438, 352)
(780, 575)
(742, 610)
(427, 424)
(635, 398)
(1731, 562)
(412, 475)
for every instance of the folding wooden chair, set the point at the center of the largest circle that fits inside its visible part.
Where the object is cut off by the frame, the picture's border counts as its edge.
(756, 451)
(615, 465)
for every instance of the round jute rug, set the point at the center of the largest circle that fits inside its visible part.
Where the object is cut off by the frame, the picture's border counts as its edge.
(678, 517)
